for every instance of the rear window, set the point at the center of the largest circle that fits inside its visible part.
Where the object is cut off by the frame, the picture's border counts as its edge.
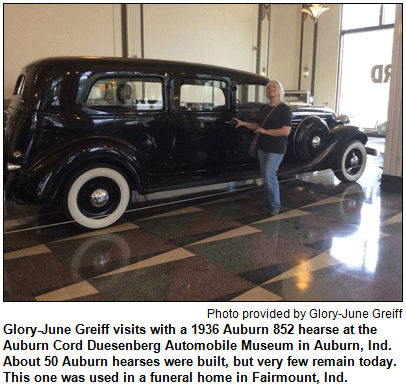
(126, 93)
(19, 87)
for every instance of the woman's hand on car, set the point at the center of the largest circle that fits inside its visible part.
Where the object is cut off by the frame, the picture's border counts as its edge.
(249, 125)
(239, 122)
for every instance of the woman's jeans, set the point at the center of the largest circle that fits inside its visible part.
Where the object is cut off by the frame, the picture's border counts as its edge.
(269, 163)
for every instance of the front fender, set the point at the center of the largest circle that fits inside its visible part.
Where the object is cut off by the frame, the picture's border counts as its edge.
(43, 182)
(348, 133)
(340, 137)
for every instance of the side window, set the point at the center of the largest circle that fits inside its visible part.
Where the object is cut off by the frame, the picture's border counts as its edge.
(52, 95)
(18, 89)
(200, 94)
(250, 96)
(126, 93)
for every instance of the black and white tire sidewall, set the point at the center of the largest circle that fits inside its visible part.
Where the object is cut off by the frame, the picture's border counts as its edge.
(96, 223)
(354, 146)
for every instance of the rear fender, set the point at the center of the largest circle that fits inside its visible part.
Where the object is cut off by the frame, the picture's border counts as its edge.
(44, 181)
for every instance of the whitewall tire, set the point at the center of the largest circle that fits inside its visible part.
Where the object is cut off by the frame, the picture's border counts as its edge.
(352, 162)
(98, 197)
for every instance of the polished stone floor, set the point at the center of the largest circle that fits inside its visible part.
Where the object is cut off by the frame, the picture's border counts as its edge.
(331, 242)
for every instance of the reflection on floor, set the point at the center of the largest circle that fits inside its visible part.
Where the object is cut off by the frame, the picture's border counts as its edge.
(331, 242)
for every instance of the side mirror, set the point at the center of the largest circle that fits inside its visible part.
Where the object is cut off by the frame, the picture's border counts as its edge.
(342, 119)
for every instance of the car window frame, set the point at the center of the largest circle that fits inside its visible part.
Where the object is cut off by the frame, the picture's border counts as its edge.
(250, 105)
(55, 89)
(175, 94)
(118, 109)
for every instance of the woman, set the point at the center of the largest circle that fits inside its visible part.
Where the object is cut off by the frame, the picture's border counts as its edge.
(273, 122)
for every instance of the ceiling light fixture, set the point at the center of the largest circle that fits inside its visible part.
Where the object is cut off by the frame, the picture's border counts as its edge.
(314, 10)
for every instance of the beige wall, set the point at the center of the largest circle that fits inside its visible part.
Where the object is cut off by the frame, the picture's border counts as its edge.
(285, 44)
(328, 43)
(222, 34)
(34, 31)
(327, 55)
(219, 34)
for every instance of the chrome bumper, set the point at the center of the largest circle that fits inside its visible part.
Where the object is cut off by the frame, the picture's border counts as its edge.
(371, 151)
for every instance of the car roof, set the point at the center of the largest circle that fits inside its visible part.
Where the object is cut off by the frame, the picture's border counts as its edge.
(65, 64)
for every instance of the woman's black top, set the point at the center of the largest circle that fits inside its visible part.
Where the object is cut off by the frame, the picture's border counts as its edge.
(281, 116)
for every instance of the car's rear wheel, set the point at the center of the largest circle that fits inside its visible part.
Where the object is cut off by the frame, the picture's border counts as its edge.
(97, 197)
(352, 162)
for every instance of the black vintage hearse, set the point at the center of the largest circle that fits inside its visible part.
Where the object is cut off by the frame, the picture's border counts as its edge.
(88, 131)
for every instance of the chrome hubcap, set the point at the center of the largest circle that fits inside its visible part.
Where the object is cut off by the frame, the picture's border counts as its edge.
(99, 197)
(316, 142)
(354, 161)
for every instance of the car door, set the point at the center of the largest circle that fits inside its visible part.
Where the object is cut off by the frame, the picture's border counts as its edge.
(140, 110)
(201, 122)
(249, 99)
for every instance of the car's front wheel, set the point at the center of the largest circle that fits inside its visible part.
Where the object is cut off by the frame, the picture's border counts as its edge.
(352, 162)
(97, 197)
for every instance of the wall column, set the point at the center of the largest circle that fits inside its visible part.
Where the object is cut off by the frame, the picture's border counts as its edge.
(392, 168)
(134, 30)
(264, 20)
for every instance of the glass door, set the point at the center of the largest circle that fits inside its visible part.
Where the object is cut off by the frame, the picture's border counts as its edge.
(367, 39)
